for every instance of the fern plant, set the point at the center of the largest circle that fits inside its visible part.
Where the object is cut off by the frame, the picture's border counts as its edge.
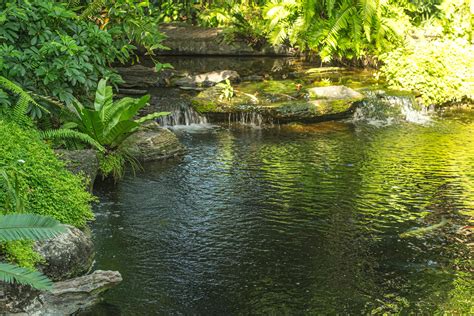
(21, 107)
(106, 126)
(349, 29)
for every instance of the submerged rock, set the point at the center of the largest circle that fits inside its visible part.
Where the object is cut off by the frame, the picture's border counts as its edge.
(82, 161)
(334, 93)
(66, 297)
(153, 142)
(206, 79)
(67, 255)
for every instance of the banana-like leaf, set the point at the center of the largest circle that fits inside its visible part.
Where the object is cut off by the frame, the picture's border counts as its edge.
(103, 96)
(120, 131)
(10, 273)
(151, 116)
(133, 110)
(112, 116)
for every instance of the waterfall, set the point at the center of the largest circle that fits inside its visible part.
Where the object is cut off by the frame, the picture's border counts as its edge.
(382, 108)
(182, 115)
(253, 119)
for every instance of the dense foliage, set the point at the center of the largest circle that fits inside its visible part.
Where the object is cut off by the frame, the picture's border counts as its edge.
(40, 184)
(129, 22)
(431, 69)
(46, 49)
(438, 59)
(48, 188)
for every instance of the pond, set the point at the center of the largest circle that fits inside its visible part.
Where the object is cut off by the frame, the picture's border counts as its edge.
(292, 219)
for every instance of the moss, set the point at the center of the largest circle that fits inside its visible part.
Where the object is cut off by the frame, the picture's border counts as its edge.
(21, 252)
(46, 186)
(205, 106)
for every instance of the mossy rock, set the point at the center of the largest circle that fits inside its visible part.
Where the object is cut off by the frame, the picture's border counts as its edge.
(280, 101)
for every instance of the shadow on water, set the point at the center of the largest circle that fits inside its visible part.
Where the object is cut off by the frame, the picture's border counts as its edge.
(289, 220)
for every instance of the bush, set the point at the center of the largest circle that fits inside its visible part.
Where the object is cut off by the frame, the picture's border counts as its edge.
(47, 49)
(441, 71)
(48, 188)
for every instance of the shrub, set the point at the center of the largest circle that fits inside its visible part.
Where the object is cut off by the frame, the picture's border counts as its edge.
(441, 71)
(48, 188)
(47, 49)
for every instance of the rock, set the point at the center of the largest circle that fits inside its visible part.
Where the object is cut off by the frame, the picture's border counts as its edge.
(138, 76)
(82, 161)
(253, 78)
(334, 93)
(66, 297)
(128, 91)
(277, 102)
(312, 111)
(207, 79)
(67, 255)
(185, 39)
(153, 142)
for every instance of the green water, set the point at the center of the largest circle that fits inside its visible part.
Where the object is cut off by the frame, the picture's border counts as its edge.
(298, 219)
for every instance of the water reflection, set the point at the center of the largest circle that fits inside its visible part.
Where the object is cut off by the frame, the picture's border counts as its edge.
(291, 220)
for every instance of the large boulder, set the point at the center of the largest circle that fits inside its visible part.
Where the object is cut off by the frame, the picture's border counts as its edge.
(67, 255)
(278, 102)
(153, 142)
(66, 298)
(84, 162)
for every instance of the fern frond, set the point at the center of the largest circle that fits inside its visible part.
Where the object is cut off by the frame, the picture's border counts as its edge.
(66, 134)
(48, 99)
(24, 99)
(94, 7)
(337, 25)
(73, 3)
(368, 10)
(28, 227)
(10, 273)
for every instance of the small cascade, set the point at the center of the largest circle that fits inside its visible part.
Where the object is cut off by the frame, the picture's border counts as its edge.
(182, 115)
(383, 109)
(253, 119)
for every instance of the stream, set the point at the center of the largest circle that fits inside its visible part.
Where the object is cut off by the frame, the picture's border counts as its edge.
(292, 219)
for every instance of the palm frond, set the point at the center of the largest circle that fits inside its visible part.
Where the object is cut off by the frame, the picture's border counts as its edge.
(28, 227)
(10, 273)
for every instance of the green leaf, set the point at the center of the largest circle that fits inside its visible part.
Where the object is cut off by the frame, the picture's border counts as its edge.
(103, 96)
(28, 227)
(11, 273)
(152, 116)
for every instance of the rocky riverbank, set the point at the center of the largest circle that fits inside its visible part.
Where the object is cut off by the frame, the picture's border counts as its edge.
(69, 257)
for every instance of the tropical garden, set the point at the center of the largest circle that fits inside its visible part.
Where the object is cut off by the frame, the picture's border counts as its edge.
(60, 88)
